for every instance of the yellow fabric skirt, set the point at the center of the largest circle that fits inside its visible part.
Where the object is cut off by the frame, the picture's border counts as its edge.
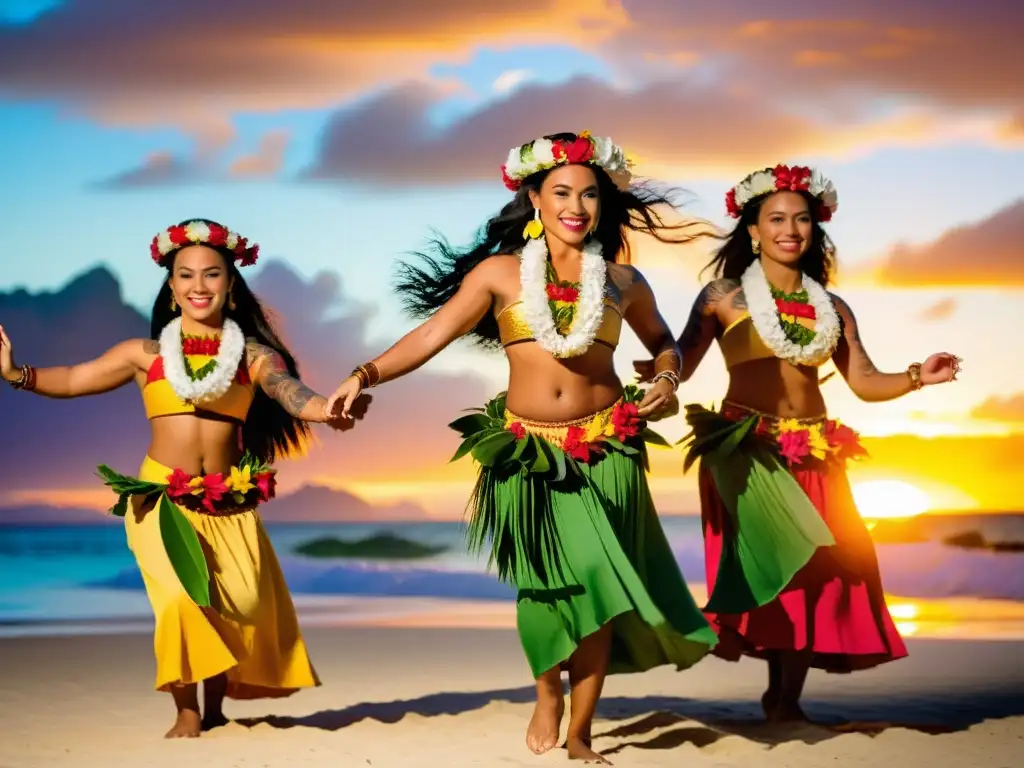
(251, 632)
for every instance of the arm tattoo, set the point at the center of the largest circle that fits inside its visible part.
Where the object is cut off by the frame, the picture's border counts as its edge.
(703, 307)
(623, 277)
(739, 301)
(278, 383)
(151, 346)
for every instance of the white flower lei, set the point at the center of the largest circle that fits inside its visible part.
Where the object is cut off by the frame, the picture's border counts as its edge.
(765, 317)
(218, 381)
(537, 312)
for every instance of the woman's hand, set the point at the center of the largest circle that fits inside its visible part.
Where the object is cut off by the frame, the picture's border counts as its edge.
(339, 405)
(7, 369)
(940, 368)
(357, 412)
(658, 398)
(644, 370)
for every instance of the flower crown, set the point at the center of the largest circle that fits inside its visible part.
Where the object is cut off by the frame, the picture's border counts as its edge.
(201, 233)
(543, 154)
(783, 178)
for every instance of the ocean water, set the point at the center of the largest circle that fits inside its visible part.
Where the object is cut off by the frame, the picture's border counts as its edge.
(53, 574)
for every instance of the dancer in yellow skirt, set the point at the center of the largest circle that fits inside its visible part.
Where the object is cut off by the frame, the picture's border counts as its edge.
(223, 398)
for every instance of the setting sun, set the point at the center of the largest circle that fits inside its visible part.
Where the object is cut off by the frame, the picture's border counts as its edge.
(890, 498)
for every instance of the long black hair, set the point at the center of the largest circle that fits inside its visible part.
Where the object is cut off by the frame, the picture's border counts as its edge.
(426, 287)
(269, 431)
(733, 258)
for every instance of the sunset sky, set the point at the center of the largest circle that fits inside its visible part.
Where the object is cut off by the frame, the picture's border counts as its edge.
(337, 135)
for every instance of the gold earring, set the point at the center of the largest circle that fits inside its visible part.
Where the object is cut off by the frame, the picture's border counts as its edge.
(755, 246)
(535, 228)
(174, 305)
(231, 301)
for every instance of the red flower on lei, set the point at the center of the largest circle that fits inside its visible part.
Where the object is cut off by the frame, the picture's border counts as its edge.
(566, 293)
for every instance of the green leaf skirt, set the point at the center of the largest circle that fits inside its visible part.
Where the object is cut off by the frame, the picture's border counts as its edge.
(568, 516)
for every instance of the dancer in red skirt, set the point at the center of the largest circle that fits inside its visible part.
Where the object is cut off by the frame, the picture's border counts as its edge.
(791, 570)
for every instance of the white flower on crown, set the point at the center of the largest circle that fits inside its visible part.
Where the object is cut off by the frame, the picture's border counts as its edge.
(824, 189)
(543, 152)
(760, 183)
(197, 232)
(604, 152)
(514, 165)
(163, 241)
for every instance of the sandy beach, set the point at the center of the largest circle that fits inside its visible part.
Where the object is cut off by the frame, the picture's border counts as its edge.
(399, 693)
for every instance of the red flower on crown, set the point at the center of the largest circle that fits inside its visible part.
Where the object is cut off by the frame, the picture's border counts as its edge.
(201, 233)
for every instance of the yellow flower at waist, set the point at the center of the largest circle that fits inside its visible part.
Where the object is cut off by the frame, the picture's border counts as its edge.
(240, 480)
(597, 428)
(790, 425)
(196, 484)
(817, 442)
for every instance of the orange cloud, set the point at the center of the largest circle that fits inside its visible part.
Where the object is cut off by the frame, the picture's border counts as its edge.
(265, 161)
(206, 164)
(959, 55)
(988, 253)
(940, 310)
(390, 139)
(142, 63)
(1007, 409)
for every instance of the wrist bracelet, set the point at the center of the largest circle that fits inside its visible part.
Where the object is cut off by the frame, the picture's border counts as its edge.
(27, 380)
(914, 373)
(670, 376)
(368, 375)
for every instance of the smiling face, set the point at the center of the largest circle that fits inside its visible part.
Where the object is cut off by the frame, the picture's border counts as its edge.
(200, 283)
(569, 203)
(784, 227)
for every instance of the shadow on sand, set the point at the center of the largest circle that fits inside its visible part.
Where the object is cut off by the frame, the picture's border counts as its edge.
(665, 722)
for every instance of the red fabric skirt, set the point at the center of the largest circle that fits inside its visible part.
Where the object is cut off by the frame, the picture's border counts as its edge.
(834, 605)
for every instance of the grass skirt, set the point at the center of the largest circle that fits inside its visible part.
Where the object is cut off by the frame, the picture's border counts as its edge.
(790, 564)
(568, 514)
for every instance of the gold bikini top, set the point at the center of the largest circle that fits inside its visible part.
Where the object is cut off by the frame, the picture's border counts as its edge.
(513, 328)
(160, 399)
(741, 343)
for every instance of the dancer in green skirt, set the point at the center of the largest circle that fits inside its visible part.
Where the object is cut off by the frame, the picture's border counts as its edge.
(562, 495)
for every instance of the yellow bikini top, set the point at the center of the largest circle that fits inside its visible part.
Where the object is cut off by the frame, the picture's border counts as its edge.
(741, 343)
(160, 399)
(513, 328)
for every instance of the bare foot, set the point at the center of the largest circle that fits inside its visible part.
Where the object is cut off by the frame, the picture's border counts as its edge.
(186, 726)
(579, 749)
(213, 720)
(787, 712)
(769, 703)
(542, 733)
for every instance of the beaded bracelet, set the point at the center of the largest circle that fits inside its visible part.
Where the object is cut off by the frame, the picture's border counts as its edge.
(914, 373)
(672, 377)
(27, 380)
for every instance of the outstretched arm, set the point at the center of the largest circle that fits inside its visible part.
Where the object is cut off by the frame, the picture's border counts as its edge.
(455, 319)
(271, 373)
(867, 382)
(111, 370)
